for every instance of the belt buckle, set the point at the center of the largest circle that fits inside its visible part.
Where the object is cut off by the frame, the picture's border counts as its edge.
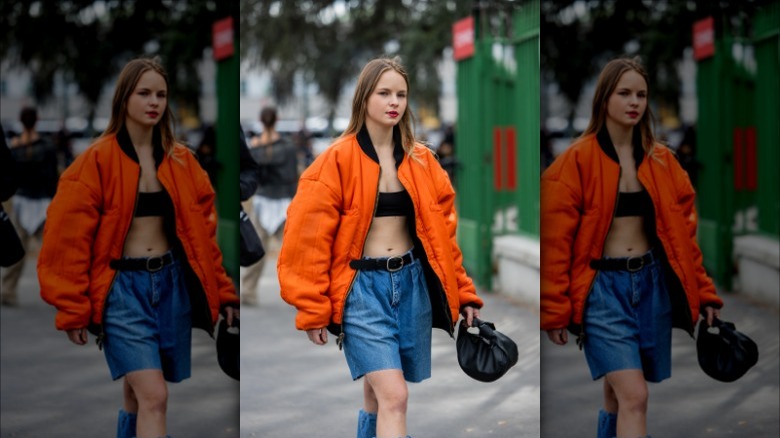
(159, 266)
(400, 263)
(641, 264)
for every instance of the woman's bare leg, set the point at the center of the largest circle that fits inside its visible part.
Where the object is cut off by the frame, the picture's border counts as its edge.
(388, 389)
(151, 395)
(630, 390)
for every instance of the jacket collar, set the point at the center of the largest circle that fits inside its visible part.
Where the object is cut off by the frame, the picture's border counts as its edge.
(364, 140)
(123, 138)
(606, 145)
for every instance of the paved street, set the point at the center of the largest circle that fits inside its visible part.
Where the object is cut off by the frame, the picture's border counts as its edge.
(294, 389)
(690, 404)
(52, 388)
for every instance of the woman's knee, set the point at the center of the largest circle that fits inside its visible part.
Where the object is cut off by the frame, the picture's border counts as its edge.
(153, 398)
(394, 398)
(634, 399)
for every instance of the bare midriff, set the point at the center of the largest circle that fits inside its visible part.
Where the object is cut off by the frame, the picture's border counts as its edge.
(146, 238)
(626, 237)
(387, 237)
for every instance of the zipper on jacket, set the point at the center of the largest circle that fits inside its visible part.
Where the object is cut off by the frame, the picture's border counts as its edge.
(581, 335)
(444, 302)
(186, 255)
(340, 338)
(101, 337)
(691, 326)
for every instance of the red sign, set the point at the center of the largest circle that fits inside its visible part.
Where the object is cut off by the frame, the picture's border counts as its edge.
(703, 38)
(463, 38)
(222, 38)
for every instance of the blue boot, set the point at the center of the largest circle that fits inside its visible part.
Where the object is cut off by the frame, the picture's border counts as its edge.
(366, 425)
(125, 427)
(607, 425)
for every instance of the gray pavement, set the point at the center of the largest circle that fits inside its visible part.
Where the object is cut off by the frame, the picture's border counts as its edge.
(52, 388)
(292, 388)
(689, 404)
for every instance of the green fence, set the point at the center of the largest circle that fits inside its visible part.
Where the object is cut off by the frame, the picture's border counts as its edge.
(767, 52)
(738, 139)
(498, 135)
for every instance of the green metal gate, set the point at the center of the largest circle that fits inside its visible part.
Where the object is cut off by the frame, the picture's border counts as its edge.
(738, 138)
(498, 135)
(767, 52)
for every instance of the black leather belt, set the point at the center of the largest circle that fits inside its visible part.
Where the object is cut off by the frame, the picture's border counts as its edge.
(151, 264)
(631, 264)
(390, 264)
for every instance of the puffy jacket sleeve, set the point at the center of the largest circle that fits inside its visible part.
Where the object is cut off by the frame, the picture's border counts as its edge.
(560, 218)
(467, 293)
(686, 197)
(205, 198)
(305, 258)
(66, 253)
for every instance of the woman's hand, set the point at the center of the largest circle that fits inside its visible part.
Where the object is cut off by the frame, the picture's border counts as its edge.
(78, 336)
(469, 313)
(558, 336)
(319, 335)
(712, 313)
(230, 313)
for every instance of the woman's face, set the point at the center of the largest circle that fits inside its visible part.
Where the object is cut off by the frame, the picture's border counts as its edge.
(628, 101)
(148, 101)
(387, 103)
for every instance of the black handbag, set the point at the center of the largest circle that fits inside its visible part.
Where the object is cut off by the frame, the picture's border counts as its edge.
(251, 246)
(229, 348)
(12, 250)
(724, 353)
(486, 356)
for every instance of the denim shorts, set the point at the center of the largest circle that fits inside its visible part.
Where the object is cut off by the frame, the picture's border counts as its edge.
(628, 323)
(147, 323)
(387, 323)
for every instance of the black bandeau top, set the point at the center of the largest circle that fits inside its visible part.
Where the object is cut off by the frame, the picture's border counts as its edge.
(394, 204)
(634, 204)
(154, 204)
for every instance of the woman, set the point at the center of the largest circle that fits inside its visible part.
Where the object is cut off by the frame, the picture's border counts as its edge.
(277, 162)
(36, 171)
(620, 262)
(369, 250)
(129, 250)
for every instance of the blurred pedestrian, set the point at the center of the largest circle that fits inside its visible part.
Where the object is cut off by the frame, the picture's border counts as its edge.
(207, 154)
(545, 149)
(369, 250)
(303, 144)
(12, 250)
(36, 168)
(129, 251)
(446, 153)
(277, 160)
(62, 139)
(686, 154)
(621, 265)
(252, 250)
(8, 178)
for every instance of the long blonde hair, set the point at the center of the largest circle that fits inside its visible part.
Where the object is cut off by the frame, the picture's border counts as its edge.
(128, 79)
(607, 82)
(366, 84)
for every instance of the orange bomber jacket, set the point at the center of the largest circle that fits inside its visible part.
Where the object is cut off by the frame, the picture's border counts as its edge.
(329, 218)
(89, 218)
(578, 197)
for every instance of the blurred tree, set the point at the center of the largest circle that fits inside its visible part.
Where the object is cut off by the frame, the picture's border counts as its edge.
(88, 41)
(327, 42)
(579, 37)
